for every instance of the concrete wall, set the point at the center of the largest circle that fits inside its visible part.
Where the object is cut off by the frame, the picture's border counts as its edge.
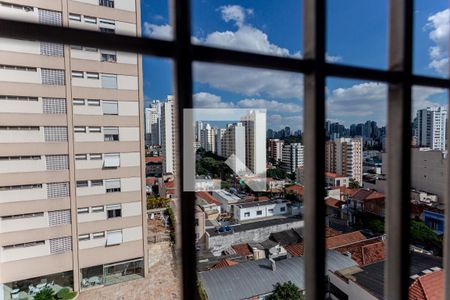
(219, 243)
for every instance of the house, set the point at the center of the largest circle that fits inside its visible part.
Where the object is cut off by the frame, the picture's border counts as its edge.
(332, 179)
(252, 211)
(210, 205)
(256, 279)
(429, 286)
(367, 282)
(434, 218)
(365, 201)
(153, 166)
(334, 207)
(295, 190)
(226, 200)
(275, 185)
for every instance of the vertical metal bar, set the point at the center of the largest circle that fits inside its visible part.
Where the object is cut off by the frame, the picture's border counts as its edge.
(447, 214)
(399, 151)
(314, 99)
(183, 99)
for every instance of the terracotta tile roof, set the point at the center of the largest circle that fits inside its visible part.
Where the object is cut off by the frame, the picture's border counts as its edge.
(151, 180)
(428, 287)
(365, 252)
(344, 239)
(208, 198)
(242, 249)
(330, 201)
(368, 195)
(296, 188)
(224, 263)
(329, 174)
(153, 159)
(295, 249)
(329, 232)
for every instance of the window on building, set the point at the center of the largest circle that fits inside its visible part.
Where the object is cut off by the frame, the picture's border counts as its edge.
(114, 211)
(283, 209)
(107, 3)
(95, 156)
(79, 129)
(93, 102)
(108, 56)
(95, 129)
(83, 210)
(96, 209)
(92, 75)
(110, 107)
(98, 235)
(111, 133)
(112, 185)
(259, 212)
(247, 214)
(82, 183)
(84, 237)
(98, 182)
(111, 160)
(78, 101)
(77, 74)
(113, 237)
(90, 20)
(75, 17)
(80, 156)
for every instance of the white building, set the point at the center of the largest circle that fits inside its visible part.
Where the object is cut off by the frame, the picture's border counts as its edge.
(292, 157)
(233, 143)
(219, 137)
(168, 135)
(431, 128)
(152, 128)
(208, 138)
(226, 199)
(255, 139)
(255, 210)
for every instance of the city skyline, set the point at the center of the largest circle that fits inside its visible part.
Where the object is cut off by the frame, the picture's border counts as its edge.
(281, 93)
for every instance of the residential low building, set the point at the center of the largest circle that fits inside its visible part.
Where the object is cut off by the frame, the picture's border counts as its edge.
(226, 199)
(332, 179)
(255, 210)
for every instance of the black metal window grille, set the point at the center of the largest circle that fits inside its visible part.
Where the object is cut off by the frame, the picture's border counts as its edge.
(398, 77)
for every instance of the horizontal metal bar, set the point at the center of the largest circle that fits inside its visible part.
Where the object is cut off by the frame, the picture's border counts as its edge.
(95, 39)
(248, 59)
(165, 48)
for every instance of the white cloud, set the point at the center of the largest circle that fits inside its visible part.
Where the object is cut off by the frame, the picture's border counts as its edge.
(439, 27)
(234, 13)
(207, 100)
(278, 121)
(158, 31)
(421, 97)
(270, 105)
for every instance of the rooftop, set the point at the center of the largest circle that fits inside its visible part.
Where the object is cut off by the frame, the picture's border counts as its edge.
(428, 287)
(207, 197)
(344, 239)
(372, 276)
(256, 277)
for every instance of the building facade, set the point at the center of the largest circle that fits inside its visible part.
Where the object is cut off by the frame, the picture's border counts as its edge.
(431, 128)
(255, 139)
(72, 183)
(168, 135)
(275, 149)
(292, 157)
(344, 157)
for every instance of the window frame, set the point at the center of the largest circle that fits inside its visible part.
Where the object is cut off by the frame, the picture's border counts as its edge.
(399, 77)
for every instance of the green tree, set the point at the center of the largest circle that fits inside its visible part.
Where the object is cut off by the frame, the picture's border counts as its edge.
(45, 294)
(422, 233)
(157, 202)
(353, 184)
(286, 291)
(276, 173)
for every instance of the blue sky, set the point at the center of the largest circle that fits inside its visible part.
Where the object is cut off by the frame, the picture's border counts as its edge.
(356, 35)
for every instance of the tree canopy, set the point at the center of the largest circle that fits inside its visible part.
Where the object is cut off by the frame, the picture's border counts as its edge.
(286, 291)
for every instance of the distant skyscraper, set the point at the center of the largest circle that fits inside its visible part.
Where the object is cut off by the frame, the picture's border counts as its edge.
(168, 135)
(255, 140)
(292, 157)
(287, 131)
(432, 128)
(344, 157)
(270, 134)
(219, 137)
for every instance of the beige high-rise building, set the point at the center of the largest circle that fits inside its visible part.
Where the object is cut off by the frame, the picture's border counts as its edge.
(344, 156)
(275, 149)
(72, 197)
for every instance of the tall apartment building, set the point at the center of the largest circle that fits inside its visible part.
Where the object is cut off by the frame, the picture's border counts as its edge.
(233, 142)
(255, 123)
(71, 150)
(219, 137)
(152, 124)
(168, 135)
(431, 128)
(344, 156)
(275, 149)
(208, 138)
(292, 157)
